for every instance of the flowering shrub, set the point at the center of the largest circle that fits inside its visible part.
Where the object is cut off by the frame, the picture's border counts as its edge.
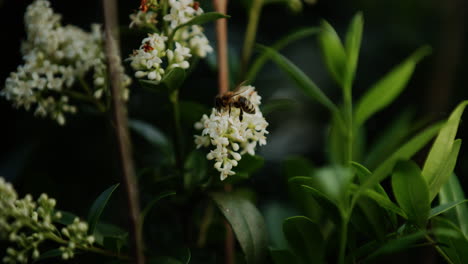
(192, 158)
(56, 57)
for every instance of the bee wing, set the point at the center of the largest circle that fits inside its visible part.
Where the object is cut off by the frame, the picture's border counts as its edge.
(240, 89)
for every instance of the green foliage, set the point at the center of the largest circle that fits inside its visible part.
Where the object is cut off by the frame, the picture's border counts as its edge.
(382, 93)
(305, 239)
(246, 222)
(441, 159)
(171, 81)
(98, 206)
(411, 192)
(453, 192)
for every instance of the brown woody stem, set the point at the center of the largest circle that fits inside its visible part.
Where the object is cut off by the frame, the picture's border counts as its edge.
(121, 127)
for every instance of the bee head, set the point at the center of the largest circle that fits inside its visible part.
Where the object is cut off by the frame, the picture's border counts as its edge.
(219, 103)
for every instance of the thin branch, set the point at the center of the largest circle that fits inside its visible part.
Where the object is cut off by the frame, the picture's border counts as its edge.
(121, 127)
(223, 86)
(222, 46)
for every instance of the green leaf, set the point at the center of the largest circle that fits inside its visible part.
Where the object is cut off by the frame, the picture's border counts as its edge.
(395, 245)
(53, 253)
(389, 139)
(451, 192)
(247, 223)
(152, 203)
(98, 206)
(152, 134)
(260, 60)
(403, 153)
(201, 19)
(352, 47)
(248, 165)
(110, 236)
(453, 245)
(66, 219)
(172, 80)
(329, 206)
(275, 105)
(305, 239)
(298, 166)
(196, 169)
(333, 52)
(281, 256)
(440, 209)
(443, 154)
(388, 88)
(299, 77)
(384, 202)
(411, 192)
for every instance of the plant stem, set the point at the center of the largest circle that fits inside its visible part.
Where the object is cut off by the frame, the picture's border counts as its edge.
(250, 33)
(179, 149)
(205, 224)
(222, 42)
(441, 252)
(121, 127)
(348, 116)
(343, 238)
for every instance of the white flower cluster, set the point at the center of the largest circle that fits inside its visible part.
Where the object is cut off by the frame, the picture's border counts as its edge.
(28, 223)
(230, 137)
(55, 57)
(156, 56)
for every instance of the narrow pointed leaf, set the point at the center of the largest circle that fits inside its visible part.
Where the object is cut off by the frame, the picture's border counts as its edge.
(280, 44)
(403, 153)
(443, 154)
(454, 246)
(388, 88)
(152, 134)
(451, 192)
(98, 206)
(352, 47)
(384, 202)
(202, 19)
(411, 192)
(300, 78)
(305, 239)
(153, 202)
(333, 52)
(440, 209)
(247, 223)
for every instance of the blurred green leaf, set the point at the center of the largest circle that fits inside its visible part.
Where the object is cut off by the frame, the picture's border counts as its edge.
(411, 192)
(452, 192)
(384, 202)
(152, 134)
(283, 42)
(110, 236)
(333, 52)
(281, 256)
(389, 139)
(275, 105)
(247, 223)
(453, 245)
(66, 219)
(152, 203)
(330, 207)
(442, 157)
(352, 47)
(440, 209)
(305, 239)
(388, 88)
(98, 206)
(248, 165)
(196, 169)
(299, 77)
(171, 81)
(53, 253)
(395, 245)
(192, 112)
(405, 152)
(298, 166)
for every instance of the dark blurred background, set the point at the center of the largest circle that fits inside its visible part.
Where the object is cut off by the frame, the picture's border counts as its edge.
(76, 162)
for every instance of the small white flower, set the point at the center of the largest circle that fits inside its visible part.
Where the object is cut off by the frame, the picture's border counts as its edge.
(230, 136)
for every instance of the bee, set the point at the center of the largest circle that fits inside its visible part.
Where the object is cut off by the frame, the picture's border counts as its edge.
(234, 99)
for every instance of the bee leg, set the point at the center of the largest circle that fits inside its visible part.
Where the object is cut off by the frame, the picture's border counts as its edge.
(241, 115)
(229, 110)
